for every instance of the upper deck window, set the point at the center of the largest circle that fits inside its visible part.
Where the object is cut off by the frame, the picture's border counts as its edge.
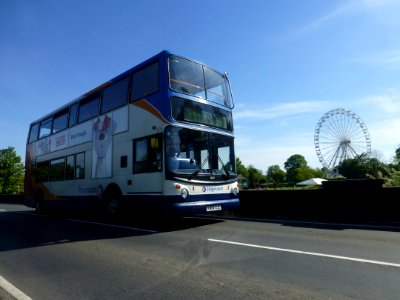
(145, 82)
(60, 121)
(33, 135)
(88, 109)
(192, 78)
(114, 96)
(73, 111)
(186, 77)
(45, 128)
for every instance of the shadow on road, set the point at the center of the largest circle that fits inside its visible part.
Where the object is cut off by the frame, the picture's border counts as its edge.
(26, 228)
(325, 223)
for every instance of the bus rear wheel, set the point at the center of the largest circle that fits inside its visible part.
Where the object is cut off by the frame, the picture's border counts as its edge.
(112, 205)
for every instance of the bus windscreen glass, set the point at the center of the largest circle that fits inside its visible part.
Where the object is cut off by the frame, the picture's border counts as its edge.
(192, 78)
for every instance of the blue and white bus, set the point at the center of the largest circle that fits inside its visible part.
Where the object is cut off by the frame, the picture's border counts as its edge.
(156, 137)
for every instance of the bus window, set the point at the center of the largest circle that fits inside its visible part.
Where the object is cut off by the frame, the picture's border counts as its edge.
(186, 77)
(147, 154)
(73, 111)
(42, 171)
(89, 108)
(216, 88)
(45, 128)
(33, 135)
(60, 121)
(145, 82)
(70, 167)
(114, 96)
(57, 167)
(80, 166)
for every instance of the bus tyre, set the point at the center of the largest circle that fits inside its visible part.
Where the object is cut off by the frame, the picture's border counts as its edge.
(112, 207)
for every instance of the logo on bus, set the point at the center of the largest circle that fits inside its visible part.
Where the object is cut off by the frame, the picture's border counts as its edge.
(212, 189)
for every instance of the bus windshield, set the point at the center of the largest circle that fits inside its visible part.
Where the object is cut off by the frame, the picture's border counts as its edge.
(192, 78)
(199, 155)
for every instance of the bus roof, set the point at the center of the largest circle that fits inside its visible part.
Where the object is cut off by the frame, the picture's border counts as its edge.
(163, 53)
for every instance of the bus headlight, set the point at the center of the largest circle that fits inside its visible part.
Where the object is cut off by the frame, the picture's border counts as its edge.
(235, 191)
(184, 193)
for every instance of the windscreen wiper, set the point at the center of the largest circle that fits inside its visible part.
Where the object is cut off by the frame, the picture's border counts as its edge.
(226, 171)
(199, 168)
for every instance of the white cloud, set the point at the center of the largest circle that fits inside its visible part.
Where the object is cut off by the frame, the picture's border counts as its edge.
(347, 8)
(387, 103)
(389, 60)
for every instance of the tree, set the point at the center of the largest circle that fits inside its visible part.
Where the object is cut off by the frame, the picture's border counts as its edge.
(275, 174)
(240, 168)
(295, 161)
(362, 166)
(299, 174)
(393, 179)
(397, 156)
(297, 169)
(255, 176)
(11, 172)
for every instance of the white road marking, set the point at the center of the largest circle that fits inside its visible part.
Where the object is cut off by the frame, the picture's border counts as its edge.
(112, 225)
(12, 290)
(376, 262)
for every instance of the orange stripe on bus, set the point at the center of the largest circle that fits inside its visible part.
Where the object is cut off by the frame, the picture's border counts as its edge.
(142, 103)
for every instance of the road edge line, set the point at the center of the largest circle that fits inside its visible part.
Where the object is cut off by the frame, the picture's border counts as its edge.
(12, 290)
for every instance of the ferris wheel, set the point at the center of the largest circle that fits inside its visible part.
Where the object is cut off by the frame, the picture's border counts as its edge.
(340, 134)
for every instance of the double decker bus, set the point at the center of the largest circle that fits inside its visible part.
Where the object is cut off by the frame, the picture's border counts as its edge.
(158, 137)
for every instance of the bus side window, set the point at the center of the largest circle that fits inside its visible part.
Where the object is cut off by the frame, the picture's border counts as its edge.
(57, 168)
(33, 135)
(72, 114)
(60, 121)
(88, 108)
(42, 171)
(147, 154)
(114, 96)
(70, 168)
(145, 82)
(80, 166)
(45, 128)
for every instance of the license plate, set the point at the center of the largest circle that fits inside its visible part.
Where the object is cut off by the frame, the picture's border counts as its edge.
(213, 208)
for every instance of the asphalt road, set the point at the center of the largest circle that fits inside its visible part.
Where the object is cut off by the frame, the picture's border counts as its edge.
(63, 257)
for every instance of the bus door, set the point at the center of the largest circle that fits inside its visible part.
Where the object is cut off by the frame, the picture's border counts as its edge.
(147, 164)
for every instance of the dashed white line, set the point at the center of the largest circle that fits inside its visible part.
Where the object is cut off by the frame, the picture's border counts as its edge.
(12, 290)
(376, 262)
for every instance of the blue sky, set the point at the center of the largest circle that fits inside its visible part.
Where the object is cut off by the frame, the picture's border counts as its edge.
(289, 63)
